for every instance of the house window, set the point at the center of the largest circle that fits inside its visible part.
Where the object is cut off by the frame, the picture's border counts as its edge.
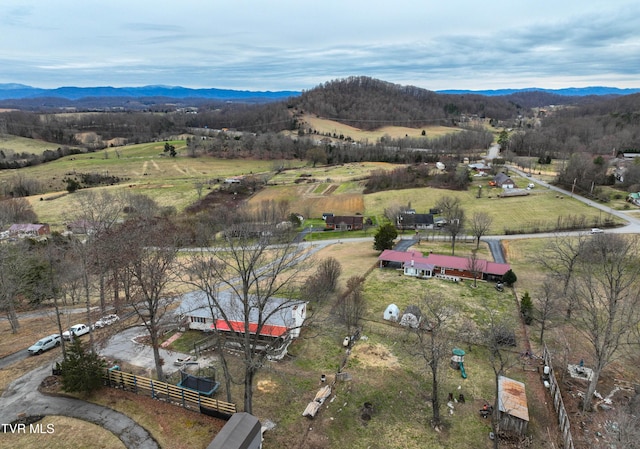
(198, 319)
(443, 270)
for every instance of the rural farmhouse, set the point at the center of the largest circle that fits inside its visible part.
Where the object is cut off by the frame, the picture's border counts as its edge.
(439, 266)
(280, 322)
(344, 223)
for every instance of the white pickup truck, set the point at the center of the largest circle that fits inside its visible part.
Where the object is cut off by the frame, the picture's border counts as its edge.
(76, 330)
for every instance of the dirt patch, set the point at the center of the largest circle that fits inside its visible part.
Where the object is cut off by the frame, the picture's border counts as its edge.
(332, 188)
(374, 355)
(219, 198)
(266, 386)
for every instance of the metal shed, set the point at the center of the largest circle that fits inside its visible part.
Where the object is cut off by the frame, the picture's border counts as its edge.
(512, 406)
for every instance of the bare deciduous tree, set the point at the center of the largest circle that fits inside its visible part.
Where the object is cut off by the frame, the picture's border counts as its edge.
(16, 210)
(608, 297)
(454, 215)
(547, 303)
(497, 336)
(474, 266)
(259, 270)
(150, 267)
(351, 306)
(560, 257)
(434, 346)
(11, 282)
(479, 225)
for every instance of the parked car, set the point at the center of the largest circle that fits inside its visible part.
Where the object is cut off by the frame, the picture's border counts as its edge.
(596, 231)
(107, 320)
(44, 344)
(76, 330)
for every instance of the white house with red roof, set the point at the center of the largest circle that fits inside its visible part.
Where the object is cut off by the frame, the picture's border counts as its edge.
(279, 319)
(413, 263)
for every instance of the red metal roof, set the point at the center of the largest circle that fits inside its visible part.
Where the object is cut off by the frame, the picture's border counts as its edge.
(238, 326)
(439, 260)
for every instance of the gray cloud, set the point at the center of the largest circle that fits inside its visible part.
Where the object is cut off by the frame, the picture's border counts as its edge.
(285, 45)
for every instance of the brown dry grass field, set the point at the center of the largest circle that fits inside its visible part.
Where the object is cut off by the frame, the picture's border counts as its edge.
(329, 126)
(65, 433)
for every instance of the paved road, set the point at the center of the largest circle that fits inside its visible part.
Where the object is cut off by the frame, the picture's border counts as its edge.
(23, 397)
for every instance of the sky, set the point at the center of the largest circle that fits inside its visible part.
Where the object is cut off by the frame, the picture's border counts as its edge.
(298, 45)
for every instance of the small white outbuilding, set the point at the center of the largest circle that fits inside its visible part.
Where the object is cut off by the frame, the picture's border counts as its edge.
(392, 313)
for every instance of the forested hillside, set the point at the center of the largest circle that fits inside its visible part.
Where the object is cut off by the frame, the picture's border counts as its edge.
(369, 103)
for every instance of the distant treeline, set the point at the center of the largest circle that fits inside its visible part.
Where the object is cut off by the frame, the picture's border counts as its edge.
(11, 160)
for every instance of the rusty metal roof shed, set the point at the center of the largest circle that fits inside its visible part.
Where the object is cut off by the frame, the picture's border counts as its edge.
(512, 398)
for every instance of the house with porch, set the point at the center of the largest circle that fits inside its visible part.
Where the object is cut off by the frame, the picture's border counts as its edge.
(344, 222)
(504, 181)
(454, 268)
(414, 221)
(276, 323)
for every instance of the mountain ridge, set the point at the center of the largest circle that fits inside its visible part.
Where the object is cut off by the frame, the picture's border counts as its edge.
(17, 91)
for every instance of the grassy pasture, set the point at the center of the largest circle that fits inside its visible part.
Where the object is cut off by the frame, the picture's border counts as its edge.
(18, 144)
(331, 173)
(539, 207)
(384, 369)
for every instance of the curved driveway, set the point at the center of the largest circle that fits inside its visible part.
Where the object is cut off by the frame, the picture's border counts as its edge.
(23, 397)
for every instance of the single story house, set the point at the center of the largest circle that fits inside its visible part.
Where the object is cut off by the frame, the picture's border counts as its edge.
(414, 221)
(480, 168)
(344, 222)
(84, 227)
(504, 181)
(281, 320)
(440, 266)
(29, 230)
(513, 411)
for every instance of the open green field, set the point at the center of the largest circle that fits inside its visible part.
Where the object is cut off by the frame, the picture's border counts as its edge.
(541, 207)
(16, 144)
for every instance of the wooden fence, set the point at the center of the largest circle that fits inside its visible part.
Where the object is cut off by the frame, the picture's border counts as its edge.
(184, 397)
(558, 404)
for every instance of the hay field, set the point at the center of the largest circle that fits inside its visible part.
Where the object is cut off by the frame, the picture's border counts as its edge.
(303, 200)
(330, 126)
(331, 173)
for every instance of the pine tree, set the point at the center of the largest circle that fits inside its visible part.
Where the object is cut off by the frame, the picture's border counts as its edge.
(384, 237)
(82, 370)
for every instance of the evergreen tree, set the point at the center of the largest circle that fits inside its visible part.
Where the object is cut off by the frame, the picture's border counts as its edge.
(526, 308)
(82, 370)
(384, 237)
(509, 278)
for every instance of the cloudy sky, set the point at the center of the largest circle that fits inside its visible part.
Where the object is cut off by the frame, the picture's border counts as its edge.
(295, 45)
